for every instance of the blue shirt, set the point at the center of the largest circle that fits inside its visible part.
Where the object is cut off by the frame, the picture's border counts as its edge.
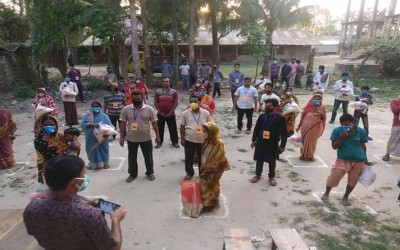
(246, 97)
(351, 149)
(217, 76)
(166, 70)
(236, 79)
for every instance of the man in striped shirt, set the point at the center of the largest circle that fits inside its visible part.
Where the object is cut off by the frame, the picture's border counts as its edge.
(114, 101)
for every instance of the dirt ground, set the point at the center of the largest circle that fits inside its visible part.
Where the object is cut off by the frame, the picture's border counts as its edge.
(154, 219)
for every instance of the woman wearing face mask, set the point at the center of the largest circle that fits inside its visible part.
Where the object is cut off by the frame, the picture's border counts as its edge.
(289, 98)
(97, 152)
(312, 126)
(44, 100)
(63, 210)
(207, 100)
(49, 143)
(213, 164)
(136, 85)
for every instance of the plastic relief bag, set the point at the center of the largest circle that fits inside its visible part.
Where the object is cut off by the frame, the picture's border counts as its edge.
(296, 139)
(290, 108)
(103, 131)
(359, 105)
(367, 176)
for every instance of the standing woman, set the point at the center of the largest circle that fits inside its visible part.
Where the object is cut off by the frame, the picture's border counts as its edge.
(68, 91)
(97, 152)
(213, 164)
(287, 98)
(312, 126)
(45, 100)
(7, 129)
(49, 143)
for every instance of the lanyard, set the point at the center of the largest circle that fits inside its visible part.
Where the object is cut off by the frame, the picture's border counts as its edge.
(245, 92)
(198, 119)
(135, 114)
(267, 125)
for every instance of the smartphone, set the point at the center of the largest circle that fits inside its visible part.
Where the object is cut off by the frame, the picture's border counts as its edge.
(107, 206)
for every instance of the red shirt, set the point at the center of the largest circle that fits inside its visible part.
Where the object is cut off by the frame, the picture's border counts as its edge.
(166, 99)
(395, 107)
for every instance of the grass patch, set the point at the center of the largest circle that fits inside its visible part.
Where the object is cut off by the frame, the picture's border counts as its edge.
(283, 220)
(302, 192)
(293, 176)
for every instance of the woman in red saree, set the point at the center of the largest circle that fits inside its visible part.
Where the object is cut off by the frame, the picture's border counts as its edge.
(213, 164)
(312, 126)
(7, 128)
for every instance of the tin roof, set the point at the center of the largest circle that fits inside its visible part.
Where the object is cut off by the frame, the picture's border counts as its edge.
(294, 37)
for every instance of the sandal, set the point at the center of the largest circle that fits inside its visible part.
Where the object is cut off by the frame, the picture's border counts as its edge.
(151, 177)
(386, 158)
(130, 179)
(106, 166)
(272, 182)
(255, 179)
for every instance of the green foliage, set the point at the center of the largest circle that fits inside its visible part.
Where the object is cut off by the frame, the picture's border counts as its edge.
(13, 28)
(385, 52)
(23, 91)
(255, 40)
(92, 83)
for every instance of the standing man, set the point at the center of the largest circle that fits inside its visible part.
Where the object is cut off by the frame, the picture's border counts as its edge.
(194, 71)
(268, 94)
(260, 83)
(285, 74)
(366, 98)
(274, 70)
(184, 70)
(349, 140)
(114, 102)
(321, 78)
(270, 128)
(110, 76)
(75, 76)
(343, 90)
(204, 71)
(217, 80)
(166, 69)
(300, 72)
(294, 66)
(166, 100)
(236, 80)
(393, 146)
(68, 90)
(135, 128)
(191, 133)
(245, 97)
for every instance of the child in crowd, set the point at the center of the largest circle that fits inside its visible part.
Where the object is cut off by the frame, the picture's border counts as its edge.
(71, 137)
(365, 97)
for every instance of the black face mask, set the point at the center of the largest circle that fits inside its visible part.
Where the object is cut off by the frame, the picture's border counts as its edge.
(116, 89)
(137, 103)
(268, 110)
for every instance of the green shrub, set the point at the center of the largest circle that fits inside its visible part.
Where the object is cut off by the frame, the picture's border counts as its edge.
(23, 91)
(93, 83)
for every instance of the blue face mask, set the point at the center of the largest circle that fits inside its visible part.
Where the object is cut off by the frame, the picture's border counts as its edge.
(363, 92)
(49, 129)
(67, 79)
(321, 71)
(133, 85)
(95, 110)
(85, 182)
(315, 102)
(202, 93)
(345, 78)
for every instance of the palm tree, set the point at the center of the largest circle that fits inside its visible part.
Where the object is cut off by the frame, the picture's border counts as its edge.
(277, 14)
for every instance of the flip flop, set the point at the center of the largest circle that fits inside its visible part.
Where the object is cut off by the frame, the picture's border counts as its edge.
(255, 179)
(272, 182)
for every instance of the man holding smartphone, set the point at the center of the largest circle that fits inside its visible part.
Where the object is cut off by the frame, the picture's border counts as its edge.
(64, 220)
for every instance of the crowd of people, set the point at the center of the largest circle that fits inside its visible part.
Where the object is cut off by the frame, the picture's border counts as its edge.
(125, 108)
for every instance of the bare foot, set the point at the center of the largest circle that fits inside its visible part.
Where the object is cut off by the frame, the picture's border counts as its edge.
(345, 202)
(325, 197)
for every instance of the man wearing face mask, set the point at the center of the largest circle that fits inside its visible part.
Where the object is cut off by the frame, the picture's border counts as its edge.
(114, 102)
(321, 78)
(65, 220)
(75, 76)
(204, 71)
(274, 70)
(109, 76)
(349, 141)
(68, 90)
(270, 128)
(343, 89)
(191, 121)
(236, 80)
(245, 103)
(268, 94)
(135, 128)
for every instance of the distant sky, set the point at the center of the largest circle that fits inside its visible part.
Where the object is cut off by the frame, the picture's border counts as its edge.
(338, 7)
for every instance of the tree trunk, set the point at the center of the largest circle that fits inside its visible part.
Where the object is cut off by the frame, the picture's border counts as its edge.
(134, 39)
(360, 23)
(175, 71)
(192, 30)
(149, 72)
(214, 31)
(311, 57)
(268, 45)
(373, 26)
(123, 57)
(114, 55)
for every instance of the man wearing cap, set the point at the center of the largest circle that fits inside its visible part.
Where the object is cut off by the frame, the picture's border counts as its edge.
(343, 89)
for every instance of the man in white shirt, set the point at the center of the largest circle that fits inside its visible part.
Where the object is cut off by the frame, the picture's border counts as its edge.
(268, 94)
(184, 70)
(343, 89)
(321, 78)
(245, 97)
(68, 90)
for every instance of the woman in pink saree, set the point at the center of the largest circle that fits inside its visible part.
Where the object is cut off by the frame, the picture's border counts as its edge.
(311, 126)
